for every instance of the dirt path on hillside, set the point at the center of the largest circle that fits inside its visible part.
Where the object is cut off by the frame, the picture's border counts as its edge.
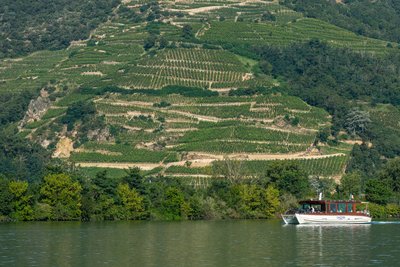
(122, 165)
(204, 117)
(191, 175)
(191, 115)
(199, 159)
(194, 11)
(225, 104)
(180, 130)
(200, 156)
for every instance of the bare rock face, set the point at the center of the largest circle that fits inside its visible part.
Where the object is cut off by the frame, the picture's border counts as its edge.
(37, 108)
(99, 135)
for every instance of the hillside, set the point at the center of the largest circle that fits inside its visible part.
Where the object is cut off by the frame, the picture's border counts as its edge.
(155, 87)
(30, 26)
(376, 19)
(194, 109)
(169, 131)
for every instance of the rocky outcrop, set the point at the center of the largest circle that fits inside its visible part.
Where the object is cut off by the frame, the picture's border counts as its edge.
(99, 135)
(36, 109)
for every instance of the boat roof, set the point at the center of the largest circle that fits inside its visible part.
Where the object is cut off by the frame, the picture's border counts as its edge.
(324, 201)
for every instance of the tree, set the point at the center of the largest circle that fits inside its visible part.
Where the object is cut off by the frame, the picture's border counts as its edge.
(364, 159)
(174, 205)
(265, 67)
(135, 180)
(270, 199)
(5, 197)
(350, 184)
(357, 121)
(268, 16)
(98, 201)
(232, 169)
(187, 32)
(131, 201)
(255, 201)
(391, 174)
(21, 201)
(250, 204)
(103, 184)
(288, 177)
(323, 185)
(149, 42)
(323, 135)
(163, 43)
(378, 191)
(295, 121)
(79, 111)
(63, 195)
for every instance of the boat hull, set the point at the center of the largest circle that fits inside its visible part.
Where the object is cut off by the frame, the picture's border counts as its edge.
(331, 219)
(289, 219)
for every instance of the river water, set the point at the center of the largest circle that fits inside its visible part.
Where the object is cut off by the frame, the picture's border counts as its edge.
(199, 243)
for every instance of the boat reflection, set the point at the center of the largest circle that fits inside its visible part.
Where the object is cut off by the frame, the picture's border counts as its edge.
(318, 241)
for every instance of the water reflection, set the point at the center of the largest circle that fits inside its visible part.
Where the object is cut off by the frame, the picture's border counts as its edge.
(205, 243)
(329, 244)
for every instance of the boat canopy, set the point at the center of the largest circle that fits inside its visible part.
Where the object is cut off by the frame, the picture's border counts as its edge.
(326, 201)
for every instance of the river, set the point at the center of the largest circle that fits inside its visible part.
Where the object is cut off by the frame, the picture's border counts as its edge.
(199, 243)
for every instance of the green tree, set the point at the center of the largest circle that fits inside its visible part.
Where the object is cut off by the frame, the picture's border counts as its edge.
(187, 32)
(174, 205)
(163, 42)
(391, 174)
(98, 201)
(268, 16)
(378, 191)
(288, 177)
(63, 195)
(265, 67)
(250, 205)
(357, 121)
(5, 197)
(131, 201)
(149, 42)
(270, 198)
(350, 184)
(135, 179)
(21, 201)
(257, 202)
(323, 185)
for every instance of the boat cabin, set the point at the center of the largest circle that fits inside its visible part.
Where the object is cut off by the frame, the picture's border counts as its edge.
(330, 206)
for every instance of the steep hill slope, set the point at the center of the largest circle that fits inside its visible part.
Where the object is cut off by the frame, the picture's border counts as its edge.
(155, 86)
(377, 19)
(27, 26)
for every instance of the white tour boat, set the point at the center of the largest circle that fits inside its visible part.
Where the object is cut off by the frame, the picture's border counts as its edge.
(327, 212)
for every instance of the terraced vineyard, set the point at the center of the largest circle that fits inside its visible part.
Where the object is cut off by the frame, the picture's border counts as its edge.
(281, 35)
(30, 72)
(187, 136)
(188, 67)
(115, 54)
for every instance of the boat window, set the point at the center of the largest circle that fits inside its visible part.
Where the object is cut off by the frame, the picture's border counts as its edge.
(349, 207)
(333, 207)
(342, 207)
(322, 208)
(317, 208)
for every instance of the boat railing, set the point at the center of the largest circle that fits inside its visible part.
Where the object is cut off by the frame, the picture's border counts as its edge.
(305, 211)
